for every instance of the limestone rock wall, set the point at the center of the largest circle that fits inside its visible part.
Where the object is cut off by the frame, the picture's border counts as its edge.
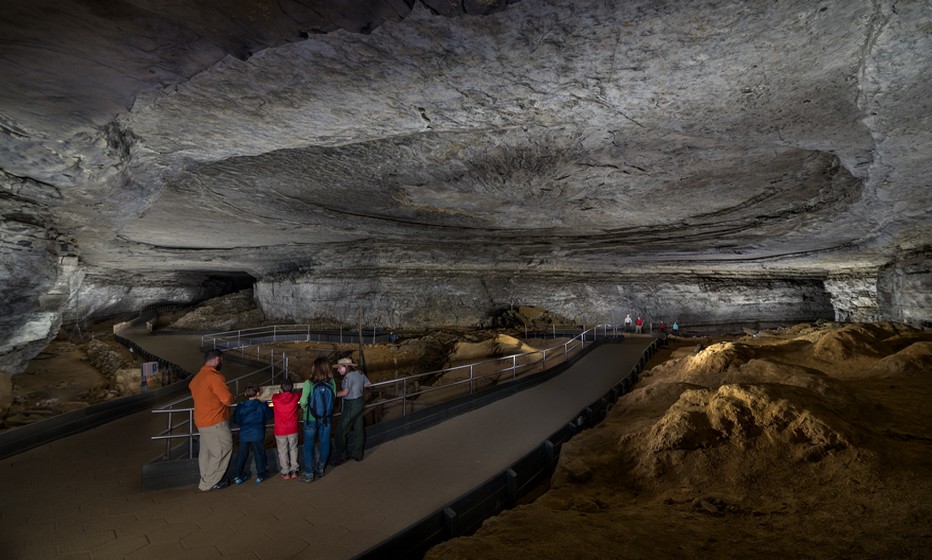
(101, 297)
(854, 295)
(435, 298)
(904, 290)
(38, 269)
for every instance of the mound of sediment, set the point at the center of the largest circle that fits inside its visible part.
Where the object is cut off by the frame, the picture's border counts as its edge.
(811, 442)
(228, 312)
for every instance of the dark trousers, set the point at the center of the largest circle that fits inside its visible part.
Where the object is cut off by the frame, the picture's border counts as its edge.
(258, 450)
(351, 422)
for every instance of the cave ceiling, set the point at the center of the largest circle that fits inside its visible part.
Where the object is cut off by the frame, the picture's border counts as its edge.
(265, 136)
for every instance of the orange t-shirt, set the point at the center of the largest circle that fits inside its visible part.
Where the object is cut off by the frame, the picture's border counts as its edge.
(211, 397)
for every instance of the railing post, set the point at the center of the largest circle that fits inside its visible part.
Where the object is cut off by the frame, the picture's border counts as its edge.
(404, 396)
(190, 434)
(514, 366)
(168, 442)
(511, 483)
(544, 361)
(470, 379)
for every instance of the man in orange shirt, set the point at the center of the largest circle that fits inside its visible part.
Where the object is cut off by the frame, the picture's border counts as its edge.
(212, 400)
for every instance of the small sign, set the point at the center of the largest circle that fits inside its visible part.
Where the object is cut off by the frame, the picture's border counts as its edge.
(149, 371)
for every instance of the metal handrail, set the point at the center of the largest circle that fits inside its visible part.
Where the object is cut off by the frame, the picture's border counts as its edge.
(378, 391)
(288, 333)
(169, 433)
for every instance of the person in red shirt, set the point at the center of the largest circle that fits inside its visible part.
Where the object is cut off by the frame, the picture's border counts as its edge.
(638, 324)
(212, 402)
(285, 407)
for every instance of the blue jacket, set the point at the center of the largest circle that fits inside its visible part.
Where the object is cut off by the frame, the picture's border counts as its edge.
(252, 416)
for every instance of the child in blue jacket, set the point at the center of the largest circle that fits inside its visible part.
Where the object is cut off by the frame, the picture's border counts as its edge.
(251, 415)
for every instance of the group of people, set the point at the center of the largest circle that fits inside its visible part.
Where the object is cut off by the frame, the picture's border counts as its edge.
(638, 325)
(313, 403)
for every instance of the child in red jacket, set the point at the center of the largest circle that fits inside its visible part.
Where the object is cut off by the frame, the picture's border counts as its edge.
(285, 405)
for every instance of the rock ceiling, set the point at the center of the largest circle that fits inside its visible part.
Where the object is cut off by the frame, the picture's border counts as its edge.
(263, 136)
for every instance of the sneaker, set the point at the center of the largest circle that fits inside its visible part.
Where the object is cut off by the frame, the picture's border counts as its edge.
(286, 476)
(220, 485)
(240, 479)
(294, 474)
(260, 479)
(307, 477)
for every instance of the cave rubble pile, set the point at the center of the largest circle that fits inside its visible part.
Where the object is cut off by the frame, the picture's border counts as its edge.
(803, 443)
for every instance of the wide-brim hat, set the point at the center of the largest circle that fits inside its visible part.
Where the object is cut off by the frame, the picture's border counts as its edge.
(344, 362)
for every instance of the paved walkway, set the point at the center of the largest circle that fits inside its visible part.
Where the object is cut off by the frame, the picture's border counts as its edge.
(79, 497)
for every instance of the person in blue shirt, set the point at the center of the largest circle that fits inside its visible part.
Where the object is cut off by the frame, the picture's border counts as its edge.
(251, 415)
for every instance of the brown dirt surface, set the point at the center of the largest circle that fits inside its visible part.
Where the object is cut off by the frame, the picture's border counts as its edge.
(71, 373)
(810, 442)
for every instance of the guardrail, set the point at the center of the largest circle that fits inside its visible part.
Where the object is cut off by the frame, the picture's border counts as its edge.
(184, 429)
(273, 334)
(386, 399)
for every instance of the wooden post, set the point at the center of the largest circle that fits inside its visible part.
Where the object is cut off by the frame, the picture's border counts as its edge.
(362, 358)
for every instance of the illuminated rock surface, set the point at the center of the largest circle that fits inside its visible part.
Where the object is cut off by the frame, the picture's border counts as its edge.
(731, 161)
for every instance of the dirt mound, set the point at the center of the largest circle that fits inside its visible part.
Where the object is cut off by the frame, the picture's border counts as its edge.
(711, 364)
(915, 359)
(741, 415)
(464, 352)
(232, 311)
(850, 341)
(790, 443)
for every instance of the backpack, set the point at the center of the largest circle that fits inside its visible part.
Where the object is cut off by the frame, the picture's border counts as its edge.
(320, 404)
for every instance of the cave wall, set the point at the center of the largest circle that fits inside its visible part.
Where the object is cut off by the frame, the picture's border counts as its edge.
(904, 289)
(101, 297)
(437, 298)
(854, 295)
(38, 272)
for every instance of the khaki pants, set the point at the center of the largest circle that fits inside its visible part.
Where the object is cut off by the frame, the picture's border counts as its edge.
(216, 446)
(287, 453)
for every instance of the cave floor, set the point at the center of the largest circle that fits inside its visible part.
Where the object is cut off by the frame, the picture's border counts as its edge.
(80, 496)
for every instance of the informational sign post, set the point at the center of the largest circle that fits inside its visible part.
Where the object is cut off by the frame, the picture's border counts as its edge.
(149, 371)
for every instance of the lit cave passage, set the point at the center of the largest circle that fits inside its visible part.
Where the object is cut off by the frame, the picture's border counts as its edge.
(408, 164)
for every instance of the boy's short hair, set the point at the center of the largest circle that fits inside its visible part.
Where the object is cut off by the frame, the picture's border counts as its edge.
(251, 391)
(287, 385)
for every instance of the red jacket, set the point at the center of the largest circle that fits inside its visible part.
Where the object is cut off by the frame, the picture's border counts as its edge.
(285, 406)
